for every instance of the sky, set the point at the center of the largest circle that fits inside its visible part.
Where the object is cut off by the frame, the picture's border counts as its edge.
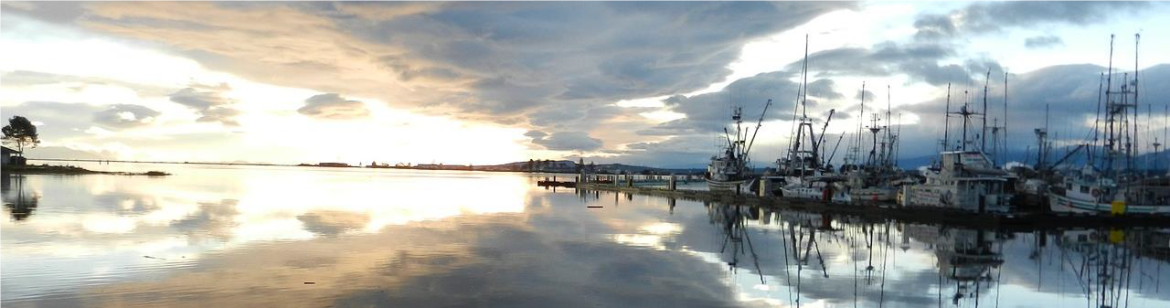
(647, 83)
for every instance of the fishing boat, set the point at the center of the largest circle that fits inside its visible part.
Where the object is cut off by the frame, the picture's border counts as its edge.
(1113, 183)
(803, 173)
(876, 178)
(964, 178)
(730, 170)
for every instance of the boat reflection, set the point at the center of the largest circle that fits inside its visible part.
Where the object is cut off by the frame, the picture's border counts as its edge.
(843, 261)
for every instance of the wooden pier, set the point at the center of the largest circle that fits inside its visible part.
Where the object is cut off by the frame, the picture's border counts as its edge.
(927, 215)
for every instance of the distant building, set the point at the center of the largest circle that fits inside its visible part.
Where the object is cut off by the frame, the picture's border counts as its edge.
(10, 157)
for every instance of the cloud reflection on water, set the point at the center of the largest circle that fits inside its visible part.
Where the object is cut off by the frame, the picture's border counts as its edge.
(255, 236)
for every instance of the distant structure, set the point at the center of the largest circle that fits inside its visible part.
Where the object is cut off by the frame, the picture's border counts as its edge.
(10, 157)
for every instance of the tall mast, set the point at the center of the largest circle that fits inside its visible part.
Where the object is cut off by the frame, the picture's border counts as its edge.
(983, 132)
(947, 121)
(1109, 110)
(1096, 131)
(860, 123)
(1005, 117)
(886, 152)
(1136, 105)
(965, 113)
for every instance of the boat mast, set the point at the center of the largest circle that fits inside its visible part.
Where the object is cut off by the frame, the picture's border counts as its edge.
(887, 142)
(946, 121)
(758, 124)
(1097, 120)
(964, 111)
(1137, 37)
(983, 132)
(860, 124)
(1110, 140)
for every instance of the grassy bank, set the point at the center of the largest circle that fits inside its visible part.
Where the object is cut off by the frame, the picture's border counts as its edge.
(69, 170)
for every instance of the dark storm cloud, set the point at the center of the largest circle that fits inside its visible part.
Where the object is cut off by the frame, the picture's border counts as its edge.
(987, 17)
(824, 88)
(920, 61)
(1044, 41)
(710, 112)
(499, 62)
(333, 106)
(206, 100)
(689, 149)
(565, 141)
(125, 116)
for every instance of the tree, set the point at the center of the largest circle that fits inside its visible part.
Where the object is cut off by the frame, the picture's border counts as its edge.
(20, 132)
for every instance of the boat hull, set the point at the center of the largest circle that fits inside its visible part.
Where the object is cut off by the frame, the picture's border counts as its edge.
(1065, 204)
(872, 195)
(714, 185)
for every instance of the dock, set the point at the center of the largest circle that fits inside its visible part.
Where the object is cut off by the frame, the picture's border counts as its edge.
(925, 215)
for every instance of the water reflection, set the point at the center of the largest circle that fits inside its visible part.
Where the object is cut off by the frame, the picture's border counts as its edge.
(849, 261)
(238, 237)
(20, 202)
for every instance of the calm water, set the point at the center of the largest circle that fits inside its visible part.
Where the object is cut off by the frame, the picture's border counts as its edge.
(291, 237)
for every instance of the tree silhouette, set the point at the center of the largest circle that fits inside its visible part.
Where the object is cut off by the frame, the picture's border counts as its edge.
(20, 132)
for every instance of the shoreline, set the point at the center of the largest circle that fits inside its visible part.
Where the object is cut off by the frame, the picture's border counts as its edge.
(70, 170)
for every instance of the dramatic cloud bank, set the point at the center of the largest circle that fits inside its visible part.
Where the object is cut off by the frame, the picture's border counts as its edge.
(636, 82)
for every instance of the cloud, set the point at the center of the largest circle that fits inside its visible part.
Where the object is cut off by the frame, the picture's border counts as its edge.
(56, 11)
(991, 17)
(1044, 41)
(919, 61)
(487, 62)
(210, 104)
(214, 219)
(333, 223)
(710, 112)
(333, 106)
(60, 120)
(565, 141)
(125, 116)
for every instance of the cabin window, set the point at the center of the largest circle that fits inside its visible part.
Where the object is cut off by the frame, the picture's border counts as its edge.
(1084, 189)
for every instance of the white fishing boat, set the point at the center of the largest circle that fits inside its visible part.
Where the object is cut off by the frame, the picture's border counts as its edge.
(1090, 192)
(803, 173)
(964, 179)
(1113, 183)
